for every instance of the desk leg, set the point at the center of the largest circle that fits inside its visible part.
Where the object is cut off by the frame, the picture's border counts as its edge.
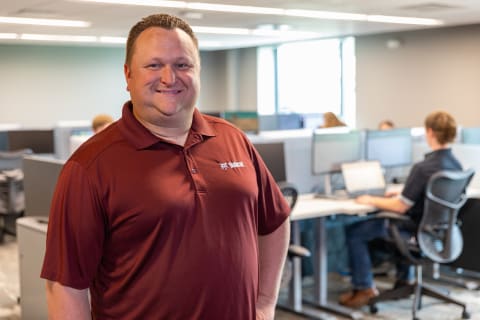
(321, 277)
(295, 289)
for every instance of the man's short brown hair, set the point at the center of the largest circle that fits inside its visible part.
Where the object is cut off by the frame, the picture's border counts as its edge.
(161, 20)
(443, 126)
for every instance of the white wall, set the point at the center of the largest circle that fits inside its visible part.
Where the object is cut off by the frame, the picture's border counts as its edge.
(432, 69)
(229, 80)
(41, 85)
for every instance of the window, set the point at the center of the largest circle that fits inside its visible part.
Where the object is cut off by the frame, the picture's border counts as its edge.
(307, 77)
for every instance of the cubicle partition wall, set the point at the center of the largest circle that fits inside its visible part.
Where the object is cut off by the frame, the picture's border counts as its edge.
(470, 135)
(297, 146)
(40, 177)
(469, 157)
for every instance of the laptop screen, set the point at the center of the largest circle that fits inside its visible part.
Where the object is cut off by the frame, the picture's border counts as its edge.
(363, 175)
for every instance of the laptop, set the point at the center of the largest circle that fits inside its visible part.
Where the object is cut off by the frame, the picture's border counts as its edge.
(363, 177)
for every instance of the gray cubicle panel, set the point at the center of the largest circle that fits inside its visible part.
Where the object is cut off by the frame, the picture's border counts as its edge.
(469, 157)
(40, 178)
(31, 238)
(298, 162)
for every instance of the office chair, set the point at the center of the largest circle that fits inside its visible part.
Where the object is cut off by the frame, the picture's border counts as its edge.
(12, 198)
(438, 238)
(295, 252)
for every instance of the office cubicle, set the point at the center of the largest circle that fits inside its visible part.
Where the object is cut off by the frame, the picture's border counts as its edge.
(39, 179)
(470, 135)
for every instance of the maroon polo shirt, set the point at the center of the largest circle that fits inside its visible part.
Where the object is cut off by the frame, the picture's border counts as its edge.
(159, 231)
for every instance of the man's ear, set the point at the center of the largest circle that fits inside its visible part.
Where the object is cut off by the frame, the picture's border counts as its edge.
(127, 73)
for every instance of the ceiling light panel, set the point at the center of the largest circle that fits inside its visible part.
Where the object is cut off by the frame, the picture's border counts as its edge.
(313, 14)
(45, 22)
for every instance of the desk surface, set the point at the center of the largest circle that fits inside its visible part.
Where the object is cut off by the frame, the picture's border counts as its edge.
(308, 207)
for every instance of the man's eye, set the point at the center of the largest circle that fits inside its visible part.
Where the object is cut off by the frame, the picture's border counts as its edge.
(183, 66)
(153, 66)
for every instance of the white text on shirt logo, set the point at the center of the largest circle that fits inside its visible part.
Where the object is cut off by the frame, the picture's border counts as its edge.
(231, 165)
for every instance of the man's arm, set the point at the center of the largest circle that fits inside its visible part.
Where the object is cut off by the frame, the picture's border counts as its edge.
(389, 204)
(65, 303)
(272, 253)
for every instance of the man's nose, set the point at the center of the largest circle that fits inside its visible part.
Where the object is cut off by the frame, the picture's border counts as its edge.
(167, 75)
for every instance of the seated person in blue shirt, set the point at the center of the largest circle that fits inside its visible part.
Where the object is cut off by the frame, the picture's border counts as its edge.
(440, 132)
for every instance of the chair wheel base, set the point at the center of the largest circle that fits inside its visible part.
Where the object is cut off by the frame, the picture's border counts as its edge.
(373, 309)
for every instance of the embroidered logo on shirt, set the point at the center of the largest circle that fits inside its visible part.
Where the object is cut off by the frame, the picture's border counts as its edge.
(231, 165)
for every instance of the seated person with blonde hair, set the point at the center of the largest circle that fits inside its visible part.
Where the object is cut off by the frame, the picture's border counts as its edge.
(100, 122)
(330, 120)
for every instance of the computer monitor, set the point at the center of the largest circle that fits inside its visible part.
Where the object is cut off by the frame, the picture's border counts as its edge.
(393, 148)
(470, 135)
(40, 176)
(39, 140)
(64, 130)
(331, 149)
(273, 155)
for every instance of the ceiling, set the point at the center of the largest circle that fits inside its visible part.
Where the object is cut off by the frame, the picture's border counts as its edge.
(115, 20)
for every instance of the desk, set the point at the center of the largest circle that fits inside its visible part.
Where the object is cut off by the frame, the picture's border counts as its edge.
(309, 207)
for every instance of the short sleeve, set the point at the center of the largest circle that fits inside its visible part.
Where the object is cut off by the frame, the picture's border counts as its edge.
(273, 209)
(415, 185)
(75, 230)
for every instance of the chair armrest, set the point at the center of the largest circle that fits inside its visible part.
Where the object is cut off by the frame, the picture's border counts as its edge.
(298, 251)
(392, 216)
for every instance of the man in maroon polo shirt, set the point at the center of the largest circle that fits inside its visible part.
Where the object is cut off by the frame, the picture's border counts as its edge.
(167, 213)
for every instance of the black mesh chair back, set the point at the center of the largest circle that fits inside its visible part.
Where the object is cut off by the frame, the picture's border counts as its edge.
(439, 236)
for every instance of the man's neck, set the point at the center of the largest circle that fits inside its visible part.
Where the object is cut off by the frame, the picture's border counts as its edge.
(175, 132)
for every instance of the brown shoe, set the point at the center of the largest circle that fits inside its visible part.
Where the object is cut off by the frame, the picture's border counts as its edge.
(359, 298)
(346, 296)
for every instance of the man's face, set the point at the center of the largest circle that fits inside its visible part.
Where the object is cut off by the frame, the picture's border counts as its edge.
(163, 77)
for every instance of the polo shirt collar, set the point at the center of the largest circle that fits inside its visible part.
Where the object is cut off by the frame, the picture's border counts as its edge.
(438, 153)
(141, 138)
